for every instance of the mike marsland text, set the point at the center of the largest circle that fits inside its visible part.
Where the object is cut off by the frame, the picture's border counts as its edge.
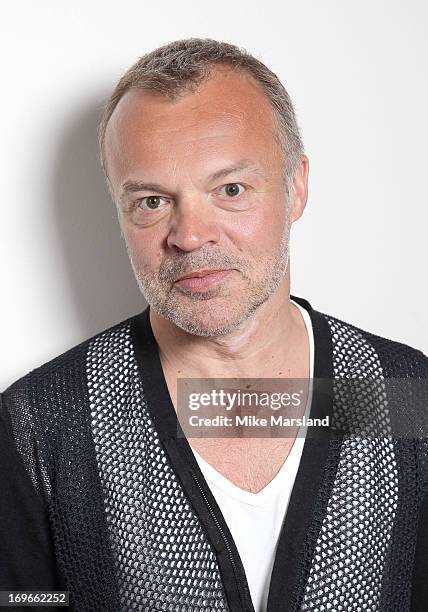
(253, 421)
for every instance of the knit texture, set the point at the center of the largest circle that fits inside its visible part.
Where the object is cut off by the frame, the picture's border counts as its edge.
(126, 534)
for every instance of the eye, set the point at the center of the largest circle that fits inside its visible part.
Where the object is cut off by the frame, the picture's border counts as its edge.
(151, 202)
(233, 189)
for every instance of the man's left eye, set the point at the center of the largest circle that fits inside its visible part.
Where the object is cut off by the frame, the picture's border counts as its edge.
(233, 189)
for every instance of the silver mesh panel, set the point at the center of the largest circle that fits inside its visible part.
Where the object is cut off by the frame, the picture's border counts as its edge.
(163, 559)
(347, 568)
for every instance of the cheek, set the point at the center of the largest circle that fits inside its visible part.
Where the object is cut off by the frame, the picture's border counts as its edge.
(144, 247)
(256, 232)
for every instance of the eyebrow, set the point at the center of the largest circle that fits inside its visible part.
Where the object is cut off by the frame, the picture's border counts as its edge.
(243, 164)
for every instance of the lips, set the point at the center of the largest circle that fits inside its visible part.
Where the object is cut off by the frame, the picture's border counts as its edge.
(200, 273)
(200, 280)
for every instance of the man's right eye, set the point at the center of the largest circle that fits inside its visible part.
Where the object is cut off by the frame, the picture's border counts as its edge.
(150, 202)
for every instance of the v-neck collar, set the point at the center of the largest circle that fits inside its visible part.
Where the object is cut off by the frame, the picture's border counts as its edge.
(266, 497)
(286, 586)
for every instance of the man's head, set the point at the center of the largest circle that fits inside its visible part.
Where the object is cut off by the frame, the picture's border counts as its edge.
(204, 160)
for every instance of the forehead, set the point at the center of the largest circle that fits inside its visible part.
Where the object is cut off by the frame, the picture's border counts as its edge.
(228, 110)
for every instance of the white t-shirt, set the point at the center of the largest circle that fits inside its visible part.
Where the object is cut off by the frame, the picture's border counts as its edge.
(255, 519)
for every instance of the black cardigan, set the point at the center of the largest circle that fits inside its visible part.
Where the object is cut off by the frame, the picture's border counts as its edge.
(100, 497)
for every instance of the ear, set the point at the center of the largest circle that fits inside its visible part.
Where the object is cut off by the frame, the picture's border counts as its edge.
(299, 190)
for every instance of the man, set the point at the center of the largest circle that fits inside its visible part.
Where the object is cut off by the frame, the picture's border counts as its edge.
(205, 163)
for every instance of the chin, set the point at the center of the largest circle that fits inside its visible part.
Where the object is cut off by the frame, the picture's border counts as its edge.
(207, 321)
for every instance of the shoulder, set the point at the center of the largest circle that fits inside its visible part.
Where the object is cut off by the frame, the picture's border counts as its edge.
(379, 383)
(50, 406)
(66, 371)
(356, 345)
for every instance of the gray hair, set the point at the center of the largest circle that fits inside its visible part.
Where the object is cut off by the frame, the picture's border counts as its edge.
(181, 66)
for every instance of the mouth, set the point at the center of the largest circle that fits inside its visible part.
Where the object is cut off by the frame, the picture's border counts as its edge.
(201, 279)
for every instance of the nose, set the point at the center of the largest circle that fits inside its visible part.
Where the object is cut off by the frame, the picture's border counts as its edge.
(192, 225)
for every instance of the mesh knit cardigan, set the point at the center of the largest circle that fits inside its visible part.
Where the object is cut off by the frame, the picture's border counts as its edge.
(126, 520)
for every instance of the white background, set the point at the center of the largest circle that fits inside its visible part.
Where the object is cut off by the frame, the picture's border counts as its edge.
(357, 73)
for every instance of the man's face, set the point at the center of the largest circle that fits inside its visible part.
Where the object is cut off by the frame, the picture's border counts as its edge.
(199, 184)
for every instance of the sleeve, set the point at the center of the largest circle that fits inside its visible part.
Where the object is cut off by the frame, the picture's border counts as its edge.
(27, 559)
(419, 601)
